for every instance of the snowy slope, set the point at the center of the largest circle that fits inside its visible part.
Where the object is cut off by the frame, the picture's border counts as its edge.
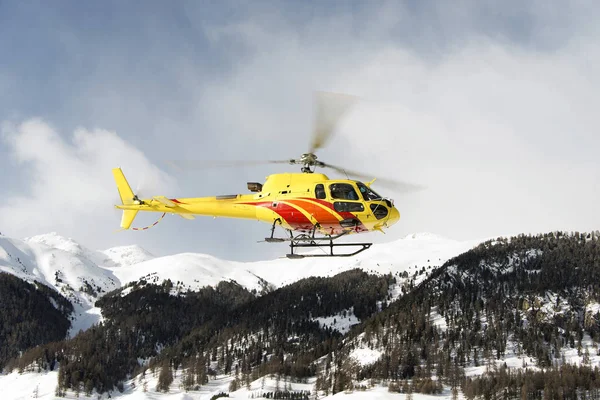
(61, 264)
(197, 270)
(407, 254)
(194, 270)
(125, 256)
(46, 257)
(83, 275)
(40, 257)
(42, 386)
(79, 274)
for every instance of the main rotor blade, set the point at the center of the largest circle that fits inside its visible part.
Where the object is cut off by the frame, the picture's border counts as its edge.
(398, 186)
(197, 164)
(330, 108)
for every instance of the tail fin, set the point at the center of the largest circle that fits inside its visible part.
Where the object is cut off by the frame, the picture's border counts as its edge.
(127, 198)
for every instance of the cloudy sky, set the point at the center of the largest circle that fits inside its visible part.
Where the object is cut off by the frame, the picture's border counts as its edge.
(492, 105)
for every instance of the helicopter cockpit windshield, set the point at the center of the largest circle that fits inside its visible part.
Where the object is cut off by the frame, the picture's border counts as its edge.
(367, 193)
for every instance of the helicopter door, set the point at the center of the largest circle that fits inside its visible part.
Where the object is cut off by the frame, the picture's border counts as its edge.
(343, 191)
(346, 200)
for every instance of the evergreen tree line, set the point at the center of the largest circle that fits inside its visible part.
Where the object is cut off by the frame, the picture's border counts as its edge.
(226, 326)
(567, 382)
(531, 290)
(532, 293)
(30, 315)
(276, 334)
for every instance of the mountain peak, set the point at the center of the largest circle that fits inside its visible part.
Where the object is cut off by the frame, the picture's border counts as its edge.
(424, 236)
(57, 241)
(128, 255)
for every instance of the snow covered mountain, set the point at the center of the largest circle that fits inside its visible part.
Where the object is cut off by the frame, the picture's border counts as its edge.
(83, 275)
(64, 265)
(522, 302)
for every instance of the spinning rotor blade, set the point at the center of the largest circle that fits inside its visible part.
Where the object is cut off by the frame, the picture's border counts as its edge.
(140, 188)
(399, 186)
(330, 108)
(194, 164)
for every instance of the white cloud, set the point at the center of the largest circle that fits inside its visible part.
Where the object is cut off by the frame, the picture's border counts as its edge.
(69, 186)
(503, 134)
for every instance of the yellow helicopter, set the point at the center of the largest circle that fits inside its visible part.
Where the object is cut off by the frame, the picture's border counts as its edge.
(313, 209)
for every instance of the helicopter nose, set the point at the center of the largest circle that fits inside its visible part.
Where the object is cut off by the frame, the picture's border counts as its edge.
(394, 216)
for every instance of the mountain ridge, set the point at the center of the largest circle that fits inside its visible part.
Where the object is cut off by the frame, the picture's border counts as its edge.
(524, 302)
(83, 275)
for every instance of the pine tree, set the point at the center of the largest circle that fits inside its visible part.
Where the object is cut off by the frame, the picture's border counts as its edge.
(586, 357)
(187, 380)
(165, 378)
(234, 385)
(454, 393)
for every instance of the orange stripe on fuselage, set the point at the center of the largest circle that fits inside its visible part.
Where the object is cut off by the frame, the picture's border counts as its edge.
(342, 214)
(322, 214)
(329, 206)
(294, 217)
(298, 212)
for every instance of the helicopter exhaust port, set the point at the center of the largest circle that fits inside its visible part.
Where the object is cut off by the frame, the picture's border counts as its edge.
(255, 186)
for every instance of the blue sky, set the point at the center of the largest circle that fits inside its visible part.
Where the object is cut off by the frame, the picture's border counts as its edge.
(491, 105)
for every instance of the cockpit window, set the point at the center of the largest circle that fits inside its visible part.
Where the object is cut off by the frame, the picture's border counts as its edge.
(367, 193)
(320, 191)
(343, 191)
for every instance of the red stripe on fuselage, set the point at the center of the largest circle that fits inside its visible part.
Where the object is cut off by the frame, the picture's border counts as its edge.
(292, 216)
(343, 214)
(298, 221)
(295, 218)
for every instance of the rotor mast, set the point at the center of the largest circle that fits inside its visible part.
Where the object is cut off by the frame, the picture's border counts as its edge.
(309, 162)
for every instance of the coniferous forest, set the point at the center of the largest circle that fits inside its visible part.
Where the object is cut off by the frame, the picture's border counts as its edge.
(534, 298)
(30, 315)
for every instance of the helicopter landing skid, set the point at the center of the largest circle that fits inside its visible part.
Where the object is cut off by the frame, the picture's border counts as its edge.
(330, 246)
(304, 240)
